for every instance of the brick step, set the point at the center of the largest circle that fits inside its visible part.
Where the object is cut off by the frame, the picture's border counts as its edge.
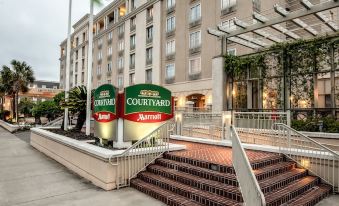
(291, 191)
(225, 178)
(281, 180)
(199, 196)
(223, 168)
(165, 196)
(312, 196)
(212, 186)
(272, 170)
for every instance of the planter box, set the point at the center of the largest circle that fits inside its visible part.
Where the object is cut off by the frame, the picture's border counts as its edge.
(9, 127)
(93, 163)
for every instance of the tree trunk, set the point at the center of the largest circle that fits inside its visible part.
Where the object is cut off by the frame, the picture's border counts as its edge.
(16, 106)
(37, 120)
(81, 120)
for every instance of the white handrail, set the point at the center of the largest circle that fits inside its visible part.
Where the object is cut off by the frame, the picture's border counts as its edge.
(248, 183)
(141, 154)
(310, 154)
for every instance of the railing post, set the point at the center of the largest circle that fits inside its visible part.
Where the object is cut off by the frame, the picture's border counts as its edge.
(288, 116)
(226, 124)
(178, 123)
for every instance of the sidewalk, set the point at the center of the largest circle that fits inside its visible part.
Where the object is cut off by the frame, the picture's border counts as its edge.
(28, 177)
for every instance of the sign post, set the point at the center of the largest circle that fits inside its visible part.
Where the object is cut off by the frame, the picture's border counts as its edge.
(105, 113)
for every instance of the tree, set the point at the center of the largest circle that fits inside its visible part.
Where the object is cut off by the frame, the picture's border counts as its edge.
(17, 80)
(46, 108)
(25, 106)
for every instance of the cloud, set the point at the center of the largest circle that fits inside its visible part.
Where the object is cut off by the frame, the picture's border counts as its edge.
(32, 30)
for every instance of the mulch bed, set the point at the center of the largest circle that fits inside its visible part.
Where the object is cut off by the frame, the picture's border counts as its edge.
(73, 134)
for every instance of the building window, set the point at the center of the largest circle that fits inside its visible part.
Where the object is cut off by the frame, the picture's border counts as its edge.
(99, 70)
(83, 51)
(133, 21)
(227, 3)
(149, 32)
(100, 55)
(195, 39)
(150, 12)
(149, 55)
(170, 3)
(82, 77)
(121, 30)
(84, 37)
(148, 76)
(232, 52)
(229, 24)
(132, 41)
(195, 66)
(328, 101)
(120, 81)
(109, 67)
(133, 5)
(109, 51)
(120, 62)
(132, 60)
(110, 35)
(76, 54)
(170, 71)
(170, 47)
(76, 79)
(170, 24)
(131, 79)
(195, 13)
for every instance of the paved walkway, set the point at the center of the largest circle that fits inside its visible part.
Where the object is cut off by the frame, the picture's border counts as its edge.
(29, 178)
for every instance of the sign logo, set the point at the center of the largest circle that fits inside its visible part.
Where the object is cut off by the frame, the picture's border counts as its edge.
(105, 103)
(147, 103)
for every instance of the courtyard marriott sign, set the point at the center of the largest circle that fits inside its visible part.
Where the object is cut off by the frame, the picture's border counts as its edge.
(146, 107)
(105, 112)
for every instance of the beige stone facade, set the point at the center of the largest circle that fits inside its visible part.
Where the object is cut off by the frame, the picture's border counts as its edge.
(160, 42)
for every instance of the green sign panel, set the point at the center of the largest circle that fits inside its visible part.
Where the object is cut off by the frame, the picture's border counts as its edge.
(147, 103)
(105, 103)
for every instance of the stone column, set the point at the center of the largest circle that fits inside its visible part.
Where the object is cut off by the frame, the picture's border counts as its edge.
(218, 85)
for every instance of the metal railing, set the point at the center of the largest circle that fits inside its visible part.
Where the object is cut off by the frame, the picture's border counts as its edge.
(206, 125)
(313, 156)
(56, 122)
(141, 154)
(248, 183)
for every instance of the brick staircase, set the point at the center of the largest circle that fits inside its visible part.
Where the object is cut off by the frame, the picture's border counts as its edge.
(179, 180)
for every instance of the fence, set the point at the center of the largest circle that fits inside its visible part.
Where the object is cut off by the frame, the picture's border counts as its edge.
(141, 154)
(203, 125)
(318, 159)
(248, 183)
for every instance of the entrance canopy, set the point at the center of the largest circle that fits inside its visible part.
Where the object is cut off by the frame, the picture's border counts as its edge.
(297, 19)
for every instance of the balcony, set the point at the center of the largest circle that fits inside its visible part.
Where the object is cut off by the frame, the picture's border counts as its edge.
(109, 41)
(131, 66)
(121, 35)
(133, 27)
(149, 61)
(195, 22)
(109, 57)
(170, 56)
(149, 19)
(120, 70)
(121, 53)
(170, 33)
(171, 9)
(194, 76)
(132, 47)
(195, 49)
(149, 40)
(228, 10)
(169, 80)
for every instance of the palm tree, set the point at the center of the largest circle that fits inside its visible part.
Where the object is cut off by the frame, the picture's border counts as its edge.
(17, 80)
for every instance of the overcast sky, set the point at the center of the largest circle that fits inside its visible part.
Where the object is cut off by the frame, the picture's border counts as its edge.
(32, 30)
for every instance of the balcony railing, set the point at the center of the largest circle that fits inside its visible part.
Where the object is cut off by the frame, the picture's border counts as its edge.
(132, 47)
(109, 57)
(109, 41)
(170, 33)
(195, 22)
(121, 52)
(131, 66)
(195, 49)
(149, 40)
(109, 73)
(120, 69)
(98, 76)
(133, 27)
(121, 35)
(170, 56)
(149, 19)
(171, 9)
(229, 9)
(194, 75)
(149, 61)
(169, 80)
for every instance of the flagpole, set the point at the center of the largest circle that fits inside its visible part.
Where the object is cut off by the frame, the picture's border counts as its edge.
(89, 71)
(68, 62)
